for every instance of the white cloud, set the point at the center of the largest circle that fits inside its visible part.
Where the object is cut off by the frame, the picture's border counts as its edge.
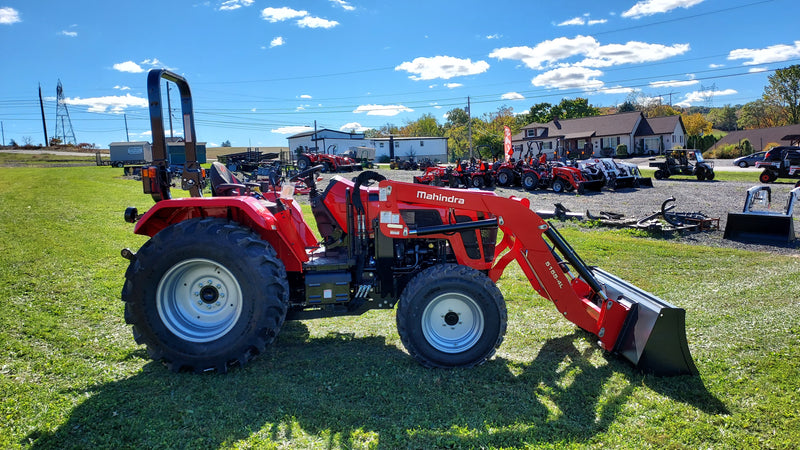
(69, 33)
(132, 67)
(444, 67)
(632, 52)
(651, 7)
(773, 53)
(715, 66)
(316, 22)
(573, 21)
(277, 42)
(494, 36)
(382, 110)
(512, 96)
(615, 90)
(757, 70)
(344, 5)
(354, 126)
(547, 52)
(701, 96)
(230, 5)
(596, 22)
(453, 85)
(306, 96)
(122, 88)
(292, 129)
(672, 83)
(116, 103)
(569, 78)
(280, 14)
(128, 66)
(9, 16)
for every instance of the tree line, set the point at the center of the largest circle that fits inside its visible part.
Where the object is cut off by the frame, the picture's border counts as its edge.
(779, 105)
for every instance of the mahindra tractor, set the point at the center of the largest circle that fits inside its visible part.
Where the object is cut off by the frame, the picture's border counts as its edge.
(221, 273)
(328, 161)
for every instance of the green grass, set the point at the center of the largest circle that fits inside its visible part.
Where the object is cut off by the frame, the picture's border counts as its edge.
(72, 376)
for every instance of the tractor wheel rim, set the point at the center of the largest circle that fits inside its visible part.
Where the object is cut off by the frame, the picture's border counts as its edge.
(199, 300)
(452, 323)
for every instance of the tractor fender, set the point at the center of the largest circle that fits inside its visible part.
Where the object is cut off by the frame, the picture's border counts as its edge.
(284, 230)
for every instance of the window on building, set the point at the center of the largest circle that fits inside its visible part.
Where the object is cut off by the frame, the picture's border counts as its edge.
(422, 143)
(530, 133)
(381, 144)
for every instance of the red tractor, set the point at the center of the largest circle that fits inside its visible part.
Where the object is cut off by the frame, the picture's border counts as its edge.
(329, 162)
(219, 275)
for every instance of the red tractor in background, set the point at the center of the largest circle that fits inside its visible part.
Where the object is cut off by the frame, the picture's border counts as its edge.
(329, 162)
(219, 275)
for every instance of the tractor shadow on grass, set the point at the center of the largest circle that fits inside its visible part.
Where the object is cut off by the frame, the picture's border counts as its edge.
(341, 391)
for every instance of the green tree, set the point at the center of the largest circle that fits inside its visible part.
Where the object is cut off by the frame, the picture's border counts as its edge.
(783, 90)
(539, 113)
(659, 110)
(226, 144)
(627, 106)
(576, 108)
(425, 126)
(723, 118)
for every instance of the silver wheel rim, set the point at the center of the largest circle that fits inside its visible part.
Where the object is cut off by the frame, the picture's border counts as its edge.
(199, 300)
(452, 323)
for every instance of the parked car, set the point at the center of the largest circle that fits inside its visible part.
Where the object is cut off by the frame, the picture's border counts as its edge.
(749, 160)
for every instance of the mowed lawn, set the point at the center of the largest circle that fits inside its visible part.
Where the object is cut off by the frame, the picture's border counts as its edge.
(71, 375)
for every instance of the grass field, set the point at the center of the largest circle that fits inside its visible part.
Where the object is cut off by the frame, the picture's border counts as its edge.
(72, 376)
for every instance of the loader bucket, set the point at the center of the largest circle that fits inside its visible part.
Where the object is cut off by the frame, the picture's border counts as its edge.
(646, 182)
(594, 185)
(654, 335)
(759, 228)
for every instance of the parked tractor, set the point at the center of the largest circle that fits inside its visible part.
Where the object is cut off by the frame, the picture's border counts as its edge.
(329, 162)
(780, 162)
(684, 162)
(220, 275)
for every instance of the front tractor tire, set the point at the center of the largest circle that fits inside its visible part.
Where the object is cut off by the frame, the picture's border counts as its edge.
(451, 316)
(205, 294)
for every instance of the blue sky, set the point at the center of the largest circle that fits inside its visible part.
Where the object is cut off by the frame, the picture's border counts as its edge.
(261, 71)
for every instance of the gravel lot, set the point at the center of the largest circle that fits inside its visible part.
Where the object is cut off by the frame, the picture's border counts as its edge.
(712, 198)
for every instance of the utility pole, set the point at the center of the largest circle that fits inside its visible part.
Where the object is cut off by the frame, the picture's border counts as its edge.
(469, 123)
(127, 136)
(44, 123)
(3, 131)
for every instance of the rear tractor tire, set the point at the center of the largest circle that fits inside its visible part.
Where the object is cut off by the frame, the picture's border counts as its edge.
(204, 294)
(451, 316)
(767, 177)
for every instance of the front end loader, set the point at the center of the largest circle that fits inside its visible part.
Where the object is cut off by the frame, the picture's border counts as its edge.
(219, 275)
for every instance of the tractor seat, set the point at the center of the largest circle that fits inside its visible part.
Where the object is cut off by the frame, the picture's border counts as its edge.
(224, 183)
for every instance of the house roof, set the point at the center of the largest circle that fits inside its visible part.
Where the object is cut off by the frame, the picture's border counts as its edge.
(327, 133)
(761, 136)
(585, 127)
(659, 125)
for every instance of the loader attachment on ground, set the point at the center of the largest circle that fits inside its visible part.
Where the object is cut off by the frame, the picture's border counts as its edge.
(653, 337)
(757, 224)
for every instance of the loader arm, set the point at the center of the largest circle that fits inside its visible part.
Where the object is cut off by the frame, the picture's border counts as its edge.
(626, 319)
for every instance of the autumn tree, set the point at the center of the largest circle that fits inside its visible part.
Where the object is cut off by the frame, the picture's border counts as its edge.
(696, 124)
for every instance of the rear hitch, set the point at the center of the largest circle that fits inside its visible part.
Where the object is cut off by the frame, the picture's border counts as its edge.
(128, 254)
